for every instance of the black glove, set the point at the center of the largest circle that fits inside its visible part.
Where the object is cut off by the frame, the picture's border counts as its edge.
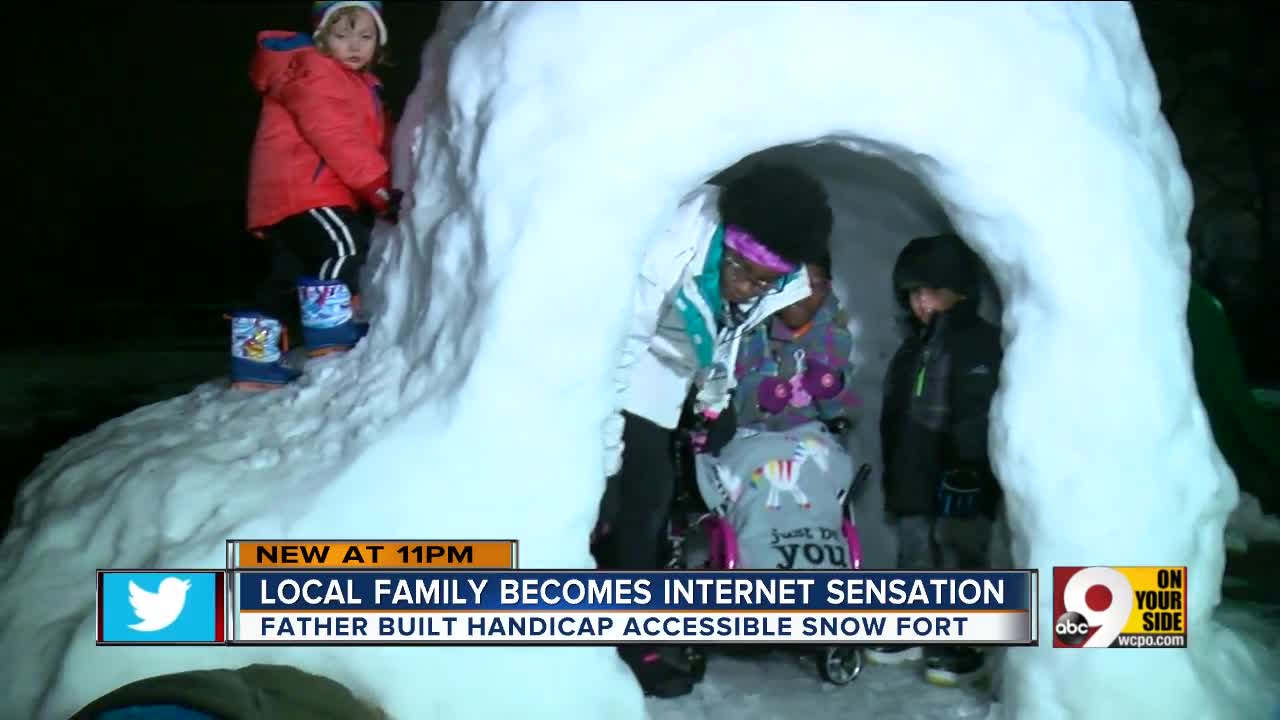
(382, 198)
(960, 494)
(721, 430)
(838, 426)
(392, 212)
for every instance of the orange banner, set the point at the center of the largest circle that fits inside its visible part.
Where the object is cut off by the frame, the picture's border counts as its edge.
(434, 554)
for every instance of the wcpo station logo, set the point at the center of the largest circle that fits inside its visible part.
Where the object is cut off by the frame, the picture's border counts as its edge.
(1108, 606)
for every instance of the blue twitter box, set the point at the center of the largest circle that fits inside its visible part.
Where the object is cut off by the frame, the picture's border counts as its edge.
(161, 607)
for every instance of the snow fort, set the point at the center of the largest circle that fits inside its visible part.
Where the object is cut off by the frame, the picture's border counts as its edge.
(546, 145)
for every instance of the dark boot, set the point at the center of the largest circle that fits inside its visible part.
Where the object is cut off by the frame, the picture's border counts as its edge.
(953, 666)
(657, 675)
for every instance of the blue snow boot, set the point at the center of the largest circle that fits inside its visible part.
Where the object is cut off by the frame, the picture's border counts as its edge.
(329, 322)
(258, 344)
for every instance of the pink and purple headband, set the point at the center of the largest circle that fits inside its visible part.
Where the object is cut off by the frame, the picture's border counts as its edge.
(752, 250)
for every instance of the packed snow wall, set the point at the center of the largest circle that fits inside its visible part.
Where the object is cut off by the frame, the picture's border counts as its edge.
(546, 145)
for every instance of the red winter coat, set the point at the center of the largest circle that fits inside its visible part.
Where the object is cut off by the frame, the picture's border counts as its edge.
(323, 136)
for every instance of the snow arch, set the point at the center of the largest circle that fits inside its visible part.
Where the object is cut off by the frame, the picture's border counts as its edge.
(545, 145)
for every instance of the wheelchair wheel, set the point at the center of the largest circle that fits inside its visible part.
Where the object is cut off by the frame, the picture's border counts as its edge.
(840, 665)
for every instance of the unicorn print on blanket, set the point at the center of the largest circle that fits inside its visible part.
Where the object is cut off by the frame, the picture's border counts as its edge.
(783, 475)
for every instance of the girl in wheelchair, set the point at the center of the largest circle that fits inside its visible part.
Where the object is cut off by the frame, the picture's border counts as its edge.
(774, 472)
(793, 375)
(776, 468)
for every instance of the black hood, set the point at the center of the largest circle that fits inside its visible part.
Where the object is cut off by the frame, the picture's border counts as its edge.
(936, 261)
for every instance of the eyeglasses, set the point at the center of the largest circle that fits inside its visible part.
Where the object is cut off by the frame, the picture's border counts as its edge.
(739, 272)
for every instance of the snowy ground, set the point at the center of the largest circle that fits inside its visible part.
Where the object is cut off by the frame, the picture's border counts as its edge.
(784, 685)
(52, 394)
(781, 685)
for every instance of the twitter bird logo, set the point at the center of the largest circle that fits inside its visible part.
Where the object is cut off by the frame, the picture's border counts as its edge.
(165, 607)
(158, 610)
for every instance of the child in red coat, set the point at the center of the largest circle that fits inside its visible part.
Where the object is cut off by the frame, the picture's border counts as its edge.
(320, 155)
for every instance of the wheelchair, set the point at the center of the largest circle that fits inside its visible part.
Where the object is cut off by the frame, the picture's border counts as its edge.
(700, 538)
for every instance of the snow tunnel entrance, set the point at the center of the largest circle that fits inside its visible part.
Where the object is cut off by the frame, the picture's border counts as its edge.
(475, 406)
(1053, 300)
(878, 207)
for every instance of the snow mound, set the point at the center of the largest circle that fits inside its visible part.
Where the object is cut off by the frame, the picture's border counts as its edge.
(786, 685)
(546, 145)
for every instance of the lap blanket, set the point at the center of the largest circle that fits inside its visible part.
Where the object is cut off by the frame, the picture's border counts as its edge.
(781, 492)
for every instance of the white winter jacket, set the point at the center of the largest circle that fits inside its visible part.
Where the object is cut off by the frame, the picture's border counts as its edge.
(658, 360)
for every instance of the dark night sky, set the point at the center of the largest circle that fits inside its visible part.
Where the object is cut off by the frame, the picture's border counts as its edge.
(174, 115)
(133, 183)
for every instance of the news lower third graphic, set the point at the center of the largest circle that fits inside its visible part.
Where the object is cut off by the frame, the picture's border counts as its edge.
(1105, 606)
(371, 554)
(584, 607)
(471, 592)
(156, 607)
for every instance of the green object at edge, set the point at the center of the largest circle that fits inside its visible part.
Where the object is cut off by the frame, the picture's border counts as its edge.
(1246, 432)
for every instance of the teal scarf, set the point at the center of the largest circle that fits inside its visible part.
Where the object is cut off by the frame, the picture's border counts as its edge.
(707, 284)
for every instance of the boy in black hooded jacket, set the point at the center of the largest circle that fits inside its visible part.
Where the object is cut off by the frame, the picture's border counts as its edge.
(933, 429)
